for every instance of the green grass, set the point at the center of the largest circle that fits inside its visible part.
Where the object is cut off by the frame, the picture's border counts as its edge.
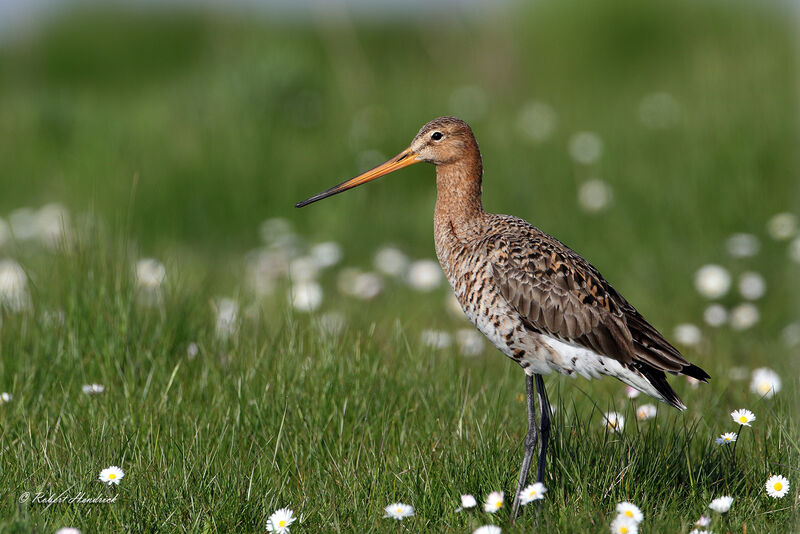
(181, 154)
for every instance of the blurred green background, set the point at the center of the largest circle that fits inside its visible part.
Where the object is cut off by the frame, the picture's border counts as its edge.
(186, 128)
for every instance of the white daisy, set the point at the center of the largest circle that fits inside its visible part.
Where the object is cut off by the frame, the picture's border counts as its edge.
(646, 411)
(614, 421)
(93, 389)
(227, 311)
(704, 521)
(537, 120)
(630, 510)
(391, 261)
(6, 397)
(111, 475)
(594, 195)
(777, 486)
(14, 294)
(437, 339)
(698, 531)
(533, 492)
(624, 525)
(743, 417)
(68, 530)
(727, 437)
(424, 275)
(742, 245)
(688, 334)
(752, 285)
(765, 382)
(631, 392)
(744, 316)
(305, 296)
(467, 501)
(150, 274)
(782, 226)
(585, 147)
(715, 315)
(712, 281)
(470, 342)
(493, 502)
(326, 254)
(721, 504)
(399, 511)
(280, 521)
(487, 529)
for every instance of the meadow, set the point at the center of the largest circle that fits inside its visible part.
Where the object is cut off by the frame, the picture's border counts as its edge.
(246, 368)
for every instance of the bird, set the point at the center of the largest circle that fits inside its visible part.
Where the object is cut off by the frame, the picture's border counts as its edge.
(535, 299)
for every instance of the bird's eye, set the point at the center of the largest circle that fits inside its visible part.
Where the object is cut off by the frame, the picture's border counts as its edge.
(436, 136)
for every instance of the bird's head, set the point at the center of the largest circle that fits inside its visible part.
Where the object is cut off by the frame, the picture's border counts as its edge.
(442, 141)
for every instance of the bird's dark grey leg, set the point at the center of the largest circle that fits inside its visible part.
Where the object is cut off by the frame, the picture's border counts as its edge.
(530, 442)
(544, 428)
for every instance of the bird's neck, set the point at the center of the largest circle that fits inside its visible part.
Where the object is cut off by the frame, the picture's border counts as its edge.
(458, 193)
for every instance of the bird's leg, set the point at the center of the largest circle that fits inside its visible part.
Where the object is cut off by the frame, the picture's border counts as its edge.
(544, 428)
(530, 443)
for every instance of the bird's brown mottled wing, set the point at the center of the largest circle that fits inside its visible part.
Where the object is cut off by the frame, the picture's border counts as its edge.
(560, 294)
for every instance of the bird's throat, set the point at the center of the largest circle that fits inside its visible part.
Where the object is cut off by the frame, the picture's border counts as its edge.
(458, 193)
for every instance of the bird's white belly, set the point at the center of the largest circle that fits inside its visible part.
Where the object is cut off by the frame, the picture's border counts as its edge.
(542, 354)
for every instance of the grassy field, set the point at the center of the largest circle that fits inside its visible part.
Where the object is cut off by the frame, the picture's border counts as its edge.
(182, 133)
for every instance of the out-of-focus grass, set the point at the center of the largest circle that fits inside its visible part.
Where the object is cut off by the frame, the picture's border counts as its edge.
(182, 133)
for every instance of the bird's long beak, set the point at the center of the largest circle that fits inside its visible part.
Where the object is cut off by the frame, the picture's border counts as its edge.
(403, 159)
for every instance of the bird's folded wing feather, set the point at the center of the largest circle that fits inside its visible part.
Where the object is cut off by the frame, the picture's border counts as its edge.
(560, 294)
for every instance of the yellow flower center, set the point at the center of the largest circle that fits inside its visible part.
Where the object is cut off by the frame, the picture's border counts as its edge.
(282, 523)
(500, 504)
(112, 476)
(743, 419)
(399, 510)
(623, 530)
(629, 513)
(778, 486)
(765, 387)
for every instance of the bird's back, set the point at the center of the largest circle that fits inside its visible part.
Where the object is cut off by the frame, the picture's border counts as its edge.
(549, 309)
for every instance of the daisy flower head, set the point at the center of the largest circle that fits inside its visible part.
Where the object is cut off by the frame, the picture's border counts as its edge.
(399, 511)
(765, 382)
(777, 486)
(712, 281)
(68, 530)
(624, 525)
(630, 510)
(631, 392)
(721, 504)
(487, 529)
(698, 531)
(727, 437)
(614, 421)
(467, 501)
(533, 492)
(493, 502)
(743, 417)
(111, 475)
(646, 411)
(6, 397)
(704, 521)
(280, 521)
(93, 389)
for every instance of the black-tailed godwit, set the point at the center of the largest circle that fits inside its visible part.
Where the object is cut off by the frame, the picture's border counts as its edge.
(534, 298)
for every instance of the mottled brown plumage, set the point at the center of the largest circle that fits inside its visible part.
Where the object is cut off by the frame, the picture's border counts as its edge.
(521, 286)
(533, 297)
